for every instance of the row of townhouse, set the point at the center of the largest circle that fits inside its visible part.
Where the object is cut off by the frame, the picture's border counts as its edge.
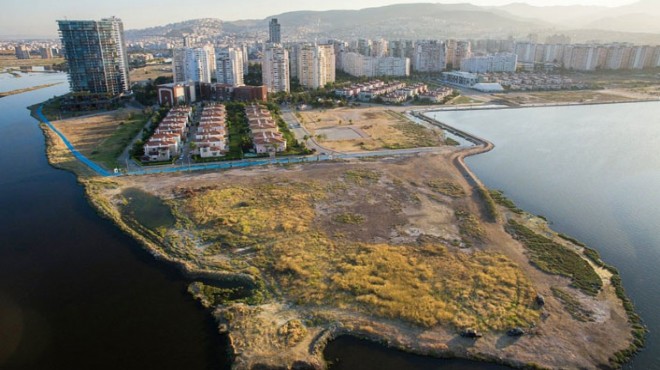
(532, 81)
(405, 93)
(385, 89)
(437, 95)
(169, 135)
(355, 89)
(266, 137)
(211, 136)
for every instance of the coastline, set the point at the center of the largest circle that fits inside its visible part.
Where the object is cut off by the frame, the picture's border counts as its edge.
(94, 187)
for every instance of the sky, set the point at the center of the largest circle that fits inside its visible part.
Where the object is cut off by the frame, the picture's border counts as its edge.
(37, 17)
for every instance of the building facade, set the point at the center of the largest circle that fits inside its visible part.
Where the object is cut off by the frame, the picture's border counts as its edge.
(229, 66)
(315, 64)
(193, 64)
(274, 32)
(96, 55)
(430, 56)
(22, 52)
(363, 66)
(502, 62)
(275, 68)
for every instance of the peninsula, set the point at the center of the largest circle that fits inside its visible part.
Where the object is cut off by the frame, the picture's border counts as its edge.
(408, 249)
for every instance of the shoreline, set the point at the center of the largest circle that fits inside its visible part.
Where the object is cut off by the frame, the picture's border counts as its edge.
(324, 336)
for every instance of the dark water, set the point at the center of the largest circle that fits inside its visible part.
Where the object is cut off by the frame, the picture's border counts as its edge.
(75, 293)
(594, 172)
(349, 353)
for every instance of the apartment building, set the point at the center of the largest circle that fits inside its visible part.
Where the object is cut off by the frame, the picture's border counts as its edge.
(430, 56)
(502, 62)
(316, 65)
(229, 66)
(363, 66)
(275, 68)
(96, 57)
(194, 64)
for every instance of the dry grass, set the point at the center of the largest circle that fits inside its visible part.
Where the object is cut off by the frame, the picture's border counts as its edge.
(275, 227)
(12, 62)
(150, 72)
(447, 188)
(581, 96)
(430, 286)
(380, 128)
(103, 137)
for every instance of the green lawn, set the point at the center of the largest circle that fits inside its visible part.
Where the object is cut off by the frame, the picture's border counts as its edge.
(110, 148)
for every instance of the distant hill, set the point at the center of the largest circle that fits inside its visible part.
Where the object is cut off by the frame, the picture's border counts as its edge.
(426, 20)
(210, 26)
(640, 17)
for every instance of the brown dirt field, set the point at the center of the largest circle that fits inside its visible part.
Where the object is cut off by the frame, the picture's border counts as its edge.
(379, 128)
(89, 132)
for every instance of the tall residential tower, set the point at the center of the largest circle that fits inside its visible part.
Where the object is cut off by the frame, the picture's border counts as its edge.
(229, 66)
(96, 55)
(275, 37)
(275, 68)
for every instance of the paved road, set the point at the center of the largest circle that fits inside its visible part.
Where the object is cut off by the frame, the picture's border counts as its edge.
(278, 160)
(301, 132)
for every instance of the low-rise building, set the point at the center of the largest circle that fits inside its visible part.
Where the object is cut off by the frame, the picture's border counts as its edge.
(168, 136)
(266, 136)
(210, 140)
(436, 96)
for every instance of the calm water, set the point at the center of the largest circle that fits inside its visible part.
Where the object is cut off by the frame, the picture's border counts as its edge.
(75, 293)
(594, 171)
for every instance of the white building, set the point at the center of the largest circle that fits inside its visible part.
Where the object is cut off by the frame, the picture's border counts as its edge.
(193, 64)
(275, 68)
(316, 65)
(430, 56)
(364, 66)
(503, 62)
(229, 66)
(460, 78)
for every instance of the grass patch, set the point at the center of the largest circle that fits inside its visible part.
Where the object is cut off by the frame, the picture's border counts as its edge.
(499, 198)
(451, 142)
(417, 135)
(554, 258)
(484, 291)
(108, 150)
(639, 331)
(447, 188)
(469, 225)
(362, 176)
(572, 305)
(491, 209)
(349, 218)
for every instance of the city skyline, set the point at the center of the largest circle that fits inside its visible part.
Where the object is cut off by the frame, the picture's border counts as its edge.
(140, 14)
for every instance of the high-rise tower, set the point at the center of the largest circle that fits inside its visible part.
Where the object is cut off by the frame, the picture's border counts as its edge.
(96, 55)
(274, 35)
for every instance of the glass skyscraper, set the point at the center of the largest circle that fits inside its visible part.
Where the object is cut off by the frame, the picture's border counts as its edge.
(96, 55)
(274, 35)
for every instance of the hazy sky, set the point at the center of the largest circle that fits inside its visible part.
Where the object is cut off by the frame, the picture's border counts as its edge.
(37, 17)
